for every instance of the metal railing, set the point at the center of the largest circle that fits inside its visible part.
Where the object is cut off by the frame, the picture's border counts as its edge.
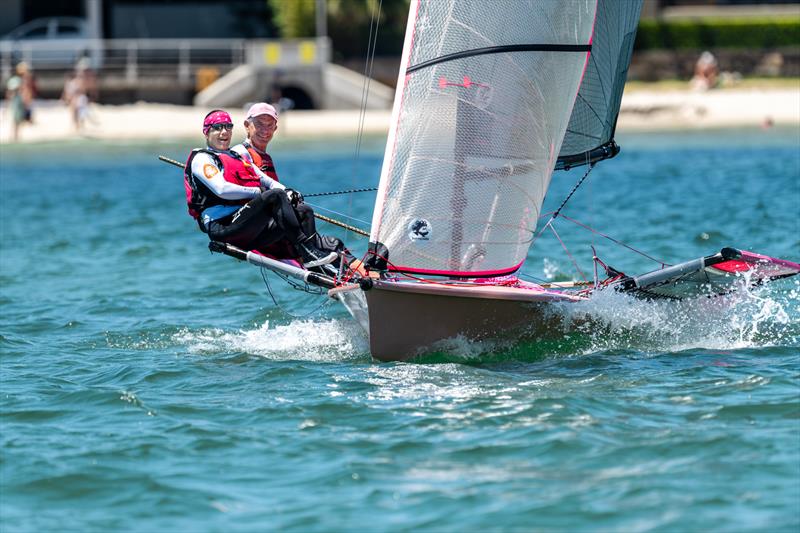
(179, 58)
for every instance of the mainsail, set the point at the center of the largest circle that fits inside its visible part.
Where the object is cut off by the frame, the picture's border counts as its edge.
(484, 97)
(590, 134)
(484, 100)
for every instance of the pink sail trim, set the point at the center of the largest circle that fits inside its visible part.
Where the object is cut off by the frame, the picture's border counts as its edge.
(476, 274)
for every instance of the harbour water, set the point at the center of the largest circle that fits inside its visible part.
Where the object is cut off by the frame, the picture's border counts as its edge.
(148, 385)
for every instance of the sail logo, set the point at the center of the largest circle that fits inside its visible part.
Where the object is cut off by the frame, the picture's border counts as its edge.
(419, 229)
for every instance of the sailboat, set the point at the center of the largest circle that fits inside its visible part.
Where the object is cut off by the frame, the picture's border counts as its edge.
(491, 99)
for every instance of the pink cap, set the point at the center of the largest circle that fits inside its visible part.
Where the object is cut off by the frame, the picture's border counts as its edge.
(216, 117)
(261, 109)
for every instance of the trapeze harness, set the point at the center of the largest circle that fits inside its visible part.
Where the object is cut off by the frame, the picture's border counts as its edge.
(199, 197)
(262, 160)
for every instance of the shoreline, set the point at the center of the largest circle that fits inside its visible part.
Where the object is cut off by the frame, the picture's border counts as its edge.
(641, 110)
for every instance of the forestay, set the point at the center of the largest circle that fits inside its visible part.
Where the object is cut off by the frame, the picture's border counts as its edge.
(590, 133)
(485, 93)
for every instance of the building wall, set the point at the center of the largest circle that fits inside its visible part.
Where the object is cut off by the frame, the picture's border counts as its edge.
(10, 15)
(195, 19)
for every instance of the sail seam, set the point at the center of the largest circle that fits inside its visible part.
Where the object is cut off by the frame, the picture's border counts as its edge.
(501, 50)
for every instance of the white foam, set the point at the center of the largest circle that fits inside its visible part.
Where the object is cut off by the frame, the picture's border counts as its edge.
(746, 318)
(325, 340)
(609, 320)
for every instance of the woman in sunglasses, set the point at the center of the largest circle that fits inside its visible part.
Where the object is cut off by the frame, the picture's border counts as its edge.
(234, 202)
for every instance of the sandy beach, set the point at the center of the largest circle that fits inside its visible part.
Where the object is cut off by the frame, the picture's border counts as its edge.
(641, 110)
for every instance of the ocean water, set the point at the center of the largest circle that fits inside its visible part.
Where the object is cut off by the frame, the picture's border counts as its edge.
(147, 385)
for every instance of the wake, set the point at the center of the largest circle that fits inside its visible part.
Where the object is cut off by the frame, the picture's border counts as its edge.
(329, 340)
(761, 317)
(608, 321)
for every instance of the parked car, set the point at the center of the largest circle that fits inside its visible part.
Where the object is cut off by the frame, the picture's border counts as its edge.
(53, 42)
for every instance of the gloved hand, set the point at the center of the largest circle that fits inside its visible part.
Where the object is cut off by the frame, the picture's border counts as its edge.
(294, 197)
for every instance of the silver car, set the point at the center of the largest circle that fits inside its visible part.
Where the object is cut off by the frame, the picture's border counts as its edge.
(53, 42)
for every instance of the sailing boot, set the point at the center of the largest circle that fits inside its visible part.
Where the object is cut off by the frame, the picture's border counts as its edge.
(313, 256)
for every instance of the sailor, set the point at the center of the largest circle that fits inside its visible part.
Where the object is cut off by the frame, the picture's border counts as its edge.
(235, 202)
(261, 123)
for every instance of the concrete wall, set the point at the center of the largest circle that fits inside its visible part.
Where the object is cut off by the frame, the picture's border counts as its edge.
(323, 87)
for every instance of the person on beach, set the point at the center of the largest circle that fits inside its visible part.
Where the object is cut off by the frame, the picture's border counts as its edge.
(20, 92)
(75, 97)
(706, 71)
(261, 123)
(235, 202)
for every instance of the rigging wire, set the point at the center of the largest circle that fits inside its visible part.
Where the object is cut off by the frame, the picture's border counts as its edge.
(337, 213)
(615, 241)
(574, 262)
(300, 287)
(369, 62)
(368, 66)
(557, 212)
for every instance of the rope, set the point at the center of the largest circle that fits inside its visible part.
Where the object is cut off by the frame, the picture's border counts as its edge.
(575, 188)
(369, 62)
(339, 192)
(321, 217)
(558, 211)
(342, 225)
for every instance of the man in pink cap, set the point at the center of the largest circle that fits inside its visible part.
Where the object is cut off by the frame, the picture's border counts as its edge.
(261, 123)
(234, 202)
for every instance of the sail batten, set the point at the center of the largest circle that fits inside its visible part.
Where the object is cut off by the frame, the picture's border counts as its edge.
(502, 50)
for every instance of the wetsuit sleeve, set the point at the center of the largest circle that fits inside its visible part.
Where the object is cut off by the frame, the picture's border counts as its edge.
(266, 181)
(205, 169)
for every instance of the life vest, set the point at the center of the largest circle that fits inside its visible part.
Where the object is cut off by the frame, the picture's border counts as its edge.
(262, 162)
(234, 170)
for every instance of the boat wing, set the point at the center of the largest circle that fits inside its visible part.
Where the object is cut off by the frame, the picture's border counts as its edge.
(717, 274)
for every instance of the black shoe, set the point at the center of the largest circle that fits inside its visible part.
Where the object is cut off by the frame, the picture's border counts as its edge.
(314, 257)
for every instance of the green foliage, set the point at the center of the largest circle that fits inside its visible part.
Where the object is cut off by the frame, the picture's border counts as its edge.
(718, 33)
(294, 18)
(349, 26)
(348, 23)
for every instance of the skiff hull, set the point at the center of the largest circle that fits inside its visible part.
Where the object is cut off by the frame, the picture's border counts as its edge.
(405, 320)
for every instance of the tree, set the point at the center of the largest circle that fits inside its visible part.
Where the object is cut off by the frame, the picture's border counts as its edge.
(294, 18)
(348, 23)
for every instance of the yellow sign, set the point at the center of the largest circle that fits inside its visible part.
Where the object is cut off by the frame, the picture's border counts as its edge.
(308, 51)
(272, 53)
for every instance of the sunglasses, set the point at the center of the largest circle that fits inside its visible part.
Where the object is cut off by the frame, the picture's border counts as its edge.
(220, 127)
